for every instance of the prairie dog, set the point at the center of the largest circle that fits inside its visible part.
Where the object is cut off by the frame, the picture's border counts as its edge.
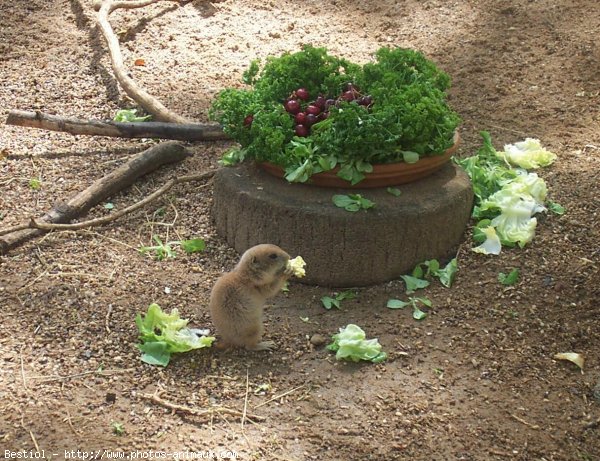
(238, 297)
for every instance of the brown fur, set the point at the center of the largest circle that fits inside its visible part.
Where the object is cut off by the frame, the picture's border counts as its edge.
(238, 297)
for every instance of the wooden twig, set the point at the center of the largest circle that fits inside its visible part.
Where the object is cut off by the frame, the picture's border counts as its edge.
(148, 102)
(35, 444)
(77, 126)
(68, 419)
(209, 412)
(107, 319)
(117, 180)
(245, 400)
(522, 421)
(277, 397)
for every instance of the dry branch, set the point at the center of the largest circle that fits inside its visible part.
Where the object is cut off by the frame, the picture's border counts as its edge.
(148, 102)
(163, 130)
(114, 216)
(143, 163)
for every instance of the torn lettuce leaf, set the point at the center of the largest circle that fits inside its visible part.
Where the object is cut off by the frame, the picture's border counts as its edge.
(527, 154)
(515, 223)
(162, 334)
(529, 184)
(351, 344)
(491, 245)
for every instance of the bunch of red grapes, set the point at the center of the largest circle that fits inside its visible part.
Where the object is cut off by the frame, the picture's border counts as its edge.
(306, 113)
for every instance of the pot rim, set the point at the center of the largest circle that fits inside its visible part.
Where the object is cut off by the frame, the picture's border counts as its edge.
(384, 174)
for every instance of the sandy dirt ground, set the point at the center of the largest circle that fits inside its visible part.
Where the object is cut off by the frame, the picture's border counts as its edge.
(476, 380)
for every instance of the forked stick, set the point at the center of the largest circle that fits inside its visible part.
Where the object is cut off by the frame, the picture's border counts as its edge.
(145, 100)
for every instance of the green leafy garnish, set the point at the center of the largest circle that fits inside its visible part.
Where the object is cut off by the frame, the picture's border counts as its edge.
(448, 273)
(394, 191)
(352, 202)
(129, 115)
(486, 170)
(409, 117)
(193, 245)
(161, 250)
(555, 208)
(351, 344)
(335, 301)
(232, 157)
(35, 184)
(162, 334)
(117, 428)
(410, 157)
(445, 275)
(418, 314)
(509, 279)
(165, 250)
(413, 283)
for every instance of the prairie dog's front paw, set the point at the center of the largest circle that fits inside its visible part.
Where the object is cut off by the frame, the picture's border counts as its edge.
(264, 346)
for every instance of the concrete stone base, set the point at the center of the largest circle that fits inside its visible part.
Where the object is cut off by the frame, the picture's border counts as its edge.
(344, 249)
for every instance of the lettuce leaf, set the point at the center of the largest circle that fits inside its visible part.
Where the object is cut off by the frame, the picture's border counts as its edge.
(162, 334)
(486, 170)
(296, 267)
(527, 154)
(351, 344)
(491, 245)
(515, 224)
(507, 197)
(529, 185)
(517, 202)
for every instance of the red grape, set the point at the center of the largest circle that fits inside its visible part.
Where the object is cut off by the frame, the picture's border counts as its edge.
(320, 102)
(348, 96)
(315, 110)
(302, 93)
(248, 120)
(311, 119)
(301, 130)
(365, 100)
(292, 106)
(323, 116)
(300, 118)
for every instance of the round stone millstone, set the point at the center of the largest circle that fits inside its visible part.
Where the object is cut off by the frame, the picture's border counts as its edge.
(341, 248)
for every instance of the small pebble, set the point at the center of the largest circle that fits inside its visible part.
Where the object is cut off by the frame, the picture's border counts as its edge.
(318, 340)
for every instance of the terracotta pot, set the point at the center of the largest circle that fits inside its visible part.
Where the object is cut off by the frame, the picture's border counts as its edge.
(383, 175)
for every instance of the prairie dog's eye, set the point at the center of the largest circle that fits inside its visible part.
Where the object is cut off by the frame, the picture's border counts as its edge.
(273, 256)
